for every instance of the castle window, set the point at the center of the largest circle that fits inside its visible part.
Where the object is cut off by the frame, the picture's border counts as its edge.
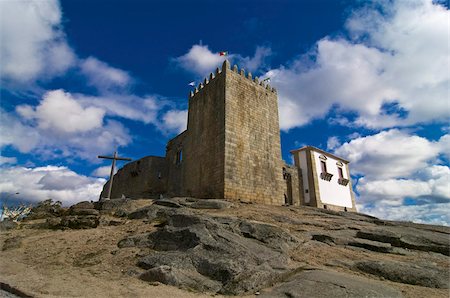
(341, 174)
(159, 175)
(324, 175)
(323, 165)
(179, 157)
(342, 181)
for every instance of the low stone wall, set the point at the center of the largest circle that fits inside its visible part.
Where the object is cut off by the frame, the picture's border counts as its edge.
(143, 178)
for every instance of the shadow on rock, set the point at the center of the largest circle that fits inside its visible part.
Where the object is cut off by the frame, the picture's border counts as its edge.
(214, 254)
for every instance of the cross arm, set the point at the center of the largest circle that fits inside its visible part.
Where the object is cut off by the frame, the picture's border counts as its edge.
(107, 157)
(123, 158)
(116, 158)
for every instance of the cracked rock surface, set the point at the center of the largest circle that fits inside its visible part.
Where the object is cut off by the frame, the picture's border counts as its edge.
(294, 250)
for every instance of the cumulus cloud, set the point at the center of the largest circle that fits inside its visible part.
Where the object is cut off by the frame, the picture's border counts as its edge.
(429, 185)
(393, 71)
(201, 60)
(66, 124)
(104, 171)
(257, 61)
(7, 160)
(29, 137)
(398, 150)
(428, 214)
(102, 76)
(33, 45)
(397, 168)
(128, 106)
(175, 120)
(333, 142)
(60, 112)
(50, 182)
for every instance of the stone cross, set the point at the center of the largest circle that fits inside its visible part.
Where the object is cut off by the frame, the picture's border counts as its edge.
(111, 176)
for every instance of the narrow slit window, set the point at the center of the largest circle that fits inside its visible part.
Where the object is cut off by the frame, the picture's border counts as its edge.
(179, 157)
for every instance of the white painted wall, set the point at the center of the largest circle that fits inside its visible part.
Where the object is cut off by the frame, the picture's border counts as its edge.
(331, 192)
(304, 168)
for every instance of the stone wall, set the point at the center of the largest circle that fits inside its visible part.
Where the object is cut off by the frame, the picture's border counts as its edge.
(175, 153)
(253, 165)
(143, 178)
(293, 189)
(203, 151)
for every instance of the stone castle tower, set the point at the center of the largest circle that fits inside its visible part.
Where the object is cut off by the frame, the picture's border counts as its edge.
(231, 148)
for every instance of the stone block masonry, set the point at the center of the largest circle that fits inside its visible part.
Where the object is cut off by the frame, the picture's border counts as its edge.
(253, 164)
(230, 150)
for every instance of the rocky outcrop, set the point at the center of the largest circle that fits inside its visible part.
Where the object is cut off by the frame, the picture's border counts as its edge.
(231, 254)
(319, 283)
(224, 255)
(79, 216)
(425, 275)
(46, 209)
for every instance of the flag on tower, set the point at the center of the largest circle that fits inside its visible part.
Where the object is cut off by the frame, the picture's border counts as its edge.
(223, 53)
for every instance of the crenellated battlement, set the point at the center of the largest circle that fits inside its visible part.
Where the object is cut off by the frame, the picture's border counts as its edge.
(227, 67)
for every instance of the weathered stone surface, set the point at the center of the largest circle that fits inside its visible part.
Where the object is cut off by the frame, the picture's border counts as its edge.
(12, 243)
(140, 213)
(143, 178)
(318, 283)
(82, 205)
(168, 203)
(6, 225)
(190, 280)
(150, 212)
(237, 255)
(46, 209)
(411, 238)
(427, 276)
(371, 245)
(52, 223)
(83, 208)
(78, 222)
(112, 204)
(211, 204)
(84, 212)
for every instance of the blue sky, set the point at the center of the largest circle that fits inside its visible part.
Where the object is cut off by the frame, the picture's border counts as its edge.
(368, 81)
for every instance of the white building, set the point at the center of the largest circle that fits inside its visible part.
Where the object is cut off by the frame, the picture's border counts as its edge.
(324, 180)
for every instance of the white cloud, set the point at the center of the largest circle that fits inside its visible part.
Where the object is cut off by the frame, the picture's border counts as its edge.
(333, 143)
(430, 185)
(43, 141)
(23, 137)
(395, 166)
(201, 60)
(32, 46)
(127, 106)
(256, 62)
(103, 76)
(396, 60)
(50, 182)
(436, 214)
(60, 112)
(388, 154)
(7, 160)
(175, 120)
(104, 171)
(63, 124)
